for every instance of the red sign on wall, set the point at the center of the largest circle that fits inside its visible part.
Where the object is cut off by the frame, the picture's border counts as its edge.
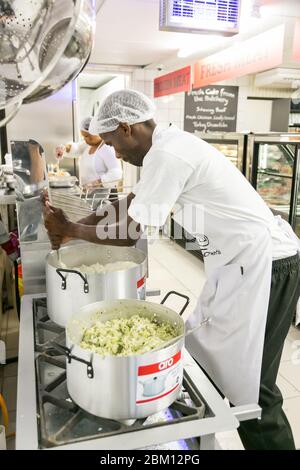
(261, 52)
(174, 82)
(296, 48)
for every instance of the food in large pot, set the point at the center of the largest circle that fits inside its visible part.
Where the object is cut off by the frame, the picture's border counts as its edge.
(130, 386)
(69, 288)
(127, 336)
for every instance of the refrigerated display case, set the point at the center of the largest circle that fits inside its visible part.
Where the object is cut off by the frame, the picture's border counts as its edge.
(273, 169)
(233, 145)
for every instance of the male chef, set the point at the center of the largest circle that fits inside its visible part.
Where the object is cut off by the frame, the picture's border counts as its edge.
(251, 257)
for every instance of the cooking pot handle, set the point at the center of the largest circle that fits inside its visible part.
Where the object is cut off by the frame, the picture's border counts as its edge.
(72, 271)
(68, 353)
(180, 295)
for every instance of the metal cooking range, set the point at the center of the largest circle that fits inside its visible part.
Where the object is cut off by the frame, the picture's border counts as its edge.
(47, 418)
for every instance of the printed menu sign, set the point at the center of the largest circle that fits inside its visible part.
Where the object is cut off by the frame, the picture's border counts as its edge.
(211, 109)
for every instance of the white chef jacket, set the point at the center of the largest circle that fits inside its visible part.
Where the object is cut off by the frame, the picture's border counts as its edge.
(103, 164)
(238, 235)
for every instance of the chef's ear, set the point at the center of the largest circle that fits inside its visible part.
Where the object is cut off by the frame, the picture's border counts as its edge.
(125, 129)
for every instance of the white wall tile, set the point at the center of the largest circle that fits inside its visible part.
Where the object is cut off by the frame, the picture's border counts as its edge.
(162, 115)
(151, 74)
(149, 88)
(140, 85)
(138, 74)
(175, 115)
(164, 124)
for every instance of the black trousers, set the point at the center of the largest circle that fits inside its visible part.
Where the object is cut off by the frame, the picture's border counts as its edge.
(273, 431)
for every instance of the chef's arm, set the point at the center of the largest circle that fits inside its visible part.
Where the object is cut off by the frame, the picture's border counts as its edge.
(112, 227)
(100, 214)
(75, 149)
(125, 232)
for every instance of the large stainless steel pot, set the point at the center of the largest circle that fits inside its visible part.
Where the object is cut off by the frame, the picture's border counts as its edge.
(129, 387)
(69, 289)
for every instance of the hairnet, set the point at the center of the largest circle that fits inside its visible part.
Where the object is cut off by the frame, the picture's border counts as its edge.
(124, 106)
(85, 124)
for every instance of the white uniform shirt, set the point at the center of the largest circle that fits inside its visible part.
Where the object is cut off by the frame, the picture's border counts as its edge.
(181, 169)
(103, 164)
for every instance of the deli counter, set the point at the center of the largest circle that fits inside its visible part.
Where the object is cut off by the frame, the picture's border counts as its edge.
(232, 144)
(273, 169)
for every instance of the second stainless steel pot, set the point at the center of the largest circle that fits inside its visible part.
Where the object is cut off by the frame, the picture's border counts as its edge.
(126, 387)
(68, 289)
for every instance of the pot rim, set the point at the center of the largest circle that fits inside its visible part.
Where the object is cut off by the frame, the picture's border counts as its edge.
(50, 258)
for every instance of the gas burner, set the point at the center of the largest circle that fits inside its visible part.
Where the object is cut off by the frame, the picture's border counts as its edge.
(62, 422)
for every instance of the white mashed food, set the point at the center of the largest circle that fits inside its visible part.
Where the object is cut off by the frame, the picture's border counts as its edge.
(127, 336)
(104, 268)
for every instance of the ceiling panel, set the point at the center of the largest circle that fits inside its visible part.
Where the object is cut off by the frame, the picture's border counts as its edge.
(127, 33)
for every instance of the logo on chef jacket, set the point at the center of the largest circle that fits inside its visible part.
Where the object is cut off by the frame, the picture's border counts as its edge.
(204, 244)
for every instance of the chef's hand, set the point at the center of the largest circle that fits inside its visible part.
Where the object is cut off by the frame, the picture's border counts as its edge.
(59, 151)
(57, 241)
(56, 223)
(45, 196)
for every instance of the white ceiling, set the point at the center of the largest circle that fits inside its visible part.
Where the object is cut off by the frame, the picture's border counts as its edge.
(128, 33)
